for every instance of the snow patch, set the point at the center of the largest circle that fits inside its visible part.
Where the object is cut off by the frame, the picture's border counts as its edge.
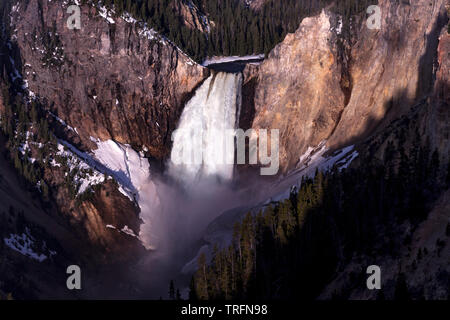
(62, 122)
(313, 159)
(85, 174)
(217, 60)
(132, 171)
(25, 244)
(106, 14)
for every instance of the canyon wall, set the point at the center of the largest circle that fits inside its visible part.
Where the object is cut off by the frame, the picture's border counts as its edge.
(325, 82)
(298, 90)
(113, 79)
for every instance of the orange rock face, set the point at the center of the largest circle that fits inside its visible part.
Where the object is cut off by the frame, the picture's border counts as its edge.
(298, 91)
(312, 88)
(391, 67)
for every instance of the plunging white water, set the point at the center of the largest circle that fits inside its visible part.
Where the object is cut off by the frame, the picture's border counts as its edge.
(203, 144)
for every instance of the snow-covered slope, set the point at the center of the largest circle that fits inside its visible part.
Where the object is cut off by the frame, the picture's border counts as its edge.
(312, 159)
(132, 171)
(26, 245)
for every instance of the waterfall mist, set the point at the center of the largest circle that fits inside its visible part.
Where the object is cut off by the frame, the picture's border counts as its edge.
(199, 186)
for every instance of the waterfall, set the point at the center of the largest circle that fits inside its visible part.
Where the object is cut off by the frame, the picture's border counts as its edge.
(203, 144)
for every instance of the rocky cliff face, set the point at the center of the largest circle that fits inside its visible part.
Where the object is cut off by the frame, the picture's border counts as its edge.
(113, 79)
(191, 15)
(420, 259)
(391, 68)
(298, 91)
(254, 4)
(323, 84)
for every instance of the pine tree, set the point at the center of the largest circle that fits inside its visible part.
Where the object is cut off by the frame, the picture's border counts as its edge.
(201, 279)
(401, 288)
(18, 162)
(171, 290)
(193, 290)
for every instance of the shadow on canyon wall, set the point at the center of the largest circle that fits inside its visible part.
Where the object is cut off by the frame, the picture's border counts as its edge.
(400, 104)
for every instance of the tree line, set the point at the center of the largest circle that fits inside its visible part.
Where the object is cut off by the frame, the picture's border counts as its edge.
(236, 29)
(293, 248)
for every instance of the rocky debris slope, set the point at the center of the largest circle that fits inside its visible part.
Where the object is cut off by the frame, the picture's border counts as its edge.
(322, 83)
(113, 79)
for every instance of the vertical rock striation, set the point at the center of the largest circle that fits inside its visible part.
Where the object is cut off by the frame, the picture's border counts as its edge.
(313, 88)
(298, 90)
